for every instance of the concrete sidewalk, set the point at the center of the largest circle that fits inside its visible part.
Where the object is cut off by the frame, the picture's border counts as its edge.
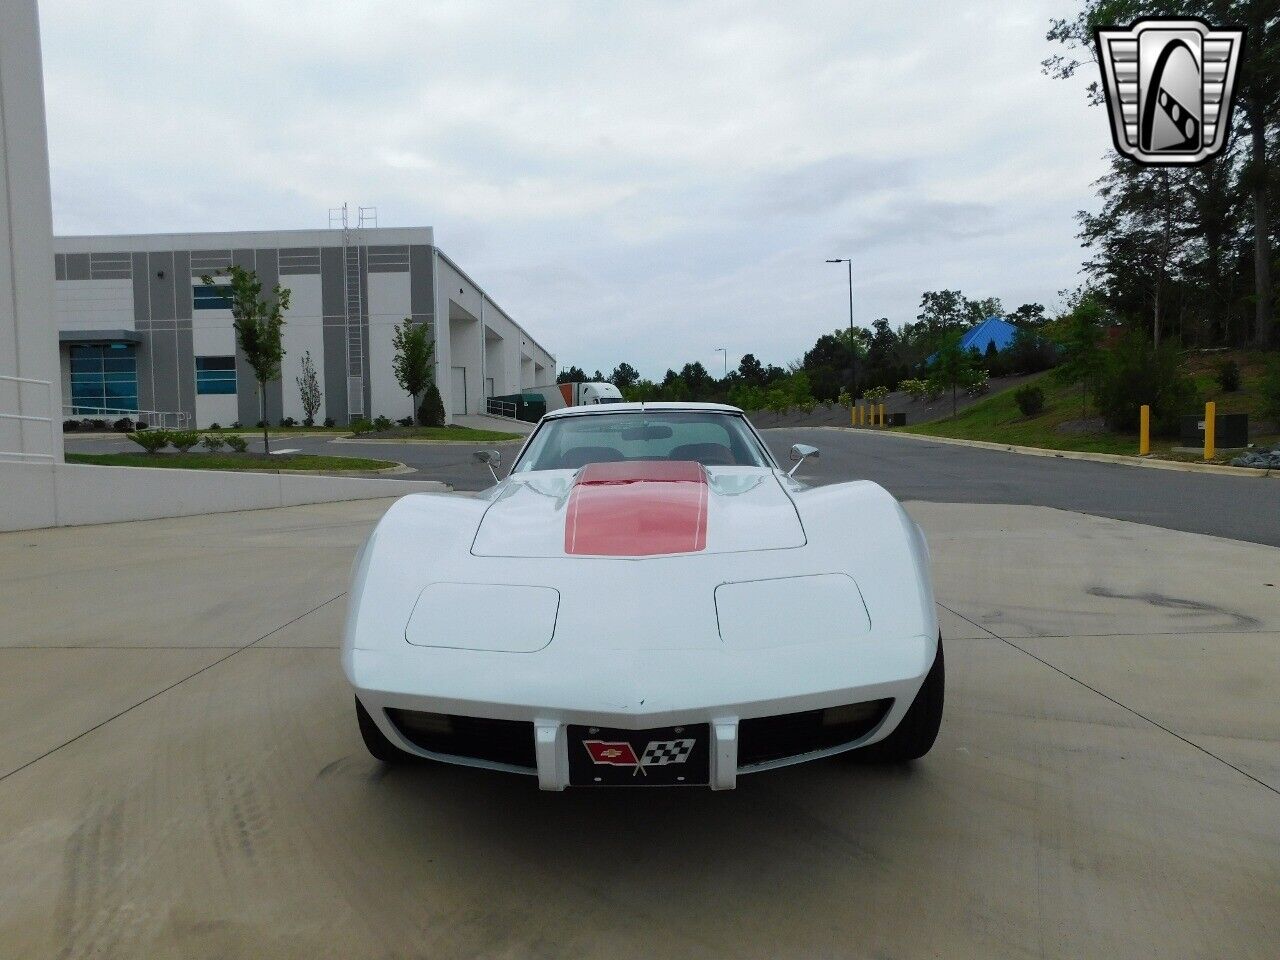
(181, 776)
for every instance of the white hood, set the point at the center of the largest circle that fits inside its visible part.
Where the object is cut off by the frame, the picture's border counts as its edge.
(741, 509)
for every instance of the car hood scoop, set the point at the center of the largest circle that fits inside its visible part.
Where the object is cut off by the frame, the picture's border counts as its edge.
(639, 509)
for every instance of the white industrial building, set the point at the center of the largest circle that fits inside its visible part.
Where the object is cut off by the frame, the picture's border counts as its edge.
(138, 330)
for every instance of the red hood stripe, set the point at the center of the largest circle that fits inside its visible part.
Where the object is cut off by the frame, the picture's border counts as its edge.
(637, 509)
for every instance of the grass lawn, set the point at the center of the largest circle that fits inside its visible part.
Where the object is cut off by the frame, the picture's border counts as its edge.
(997, 419)
(452, 434)
(229, 461)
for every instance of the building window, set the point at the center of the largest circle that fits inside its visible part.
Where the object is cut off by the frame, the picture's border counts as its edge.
(217, 297)
(215, 374)
(104, 378)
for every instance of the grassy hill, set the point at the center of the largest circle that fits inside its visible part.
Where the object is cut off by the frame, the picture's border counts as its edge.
(1062, 427)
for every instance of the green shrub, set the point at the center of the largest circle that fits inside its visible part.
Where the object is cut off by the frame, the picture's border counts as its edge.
(184, 440)
(238, 444)
(1135, 373)
(844, 399)
(381, 423)
(431, 410)
(360, 425)
(978, 383)
(1229, 376)
(875, 394)
(1030, 400)
(212, 442)
(915, 389)
(152, 441)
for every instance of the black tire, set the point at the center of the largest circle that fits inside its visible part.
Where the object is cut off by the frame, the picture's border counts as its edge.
(376, 741)
(913, 737)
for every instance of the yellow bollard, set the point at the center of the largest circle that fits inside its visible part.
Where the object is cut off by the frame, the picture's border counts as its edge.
(1210, 415)
(1144, 430)
(882, 414)
(861, 414)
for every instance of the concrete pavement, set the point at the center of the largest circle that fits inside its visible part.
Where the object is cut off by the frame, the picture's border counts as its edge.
(181, 776)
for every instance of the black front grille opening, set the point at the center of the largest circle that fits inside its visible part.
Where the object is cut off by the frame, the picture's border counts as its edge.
(498, 741)
(762, 739)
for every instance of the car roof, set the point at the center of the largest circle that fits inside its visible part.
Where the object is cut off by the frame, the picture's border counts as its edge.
(659, 407)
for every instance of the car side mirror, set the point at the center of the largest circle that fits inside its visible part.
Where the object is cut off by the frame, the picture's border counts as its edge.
(800, 452)
(491, 459)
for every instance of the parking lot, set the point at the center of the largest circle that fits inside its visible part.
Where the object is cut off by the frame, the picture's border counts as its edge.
(181, 776)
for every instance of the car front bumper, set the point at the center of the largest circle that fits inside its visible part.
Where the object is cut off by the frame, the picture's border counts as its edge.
(647, 691)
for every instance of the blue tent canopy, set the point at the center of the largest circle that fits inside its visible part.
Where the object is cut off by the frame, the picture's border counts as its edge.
(991, 330)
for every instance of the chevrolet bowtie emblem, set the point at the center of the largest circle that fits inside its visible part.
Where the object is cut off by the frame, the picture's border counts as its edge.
(1169, 84)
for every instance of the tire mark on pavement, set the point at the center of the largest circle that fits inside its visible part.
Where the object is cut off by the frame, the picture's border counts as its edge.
(1122, 706)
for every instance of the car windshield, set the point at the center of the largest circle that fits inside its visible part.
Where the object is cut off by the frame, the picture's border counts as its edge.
(710, 438)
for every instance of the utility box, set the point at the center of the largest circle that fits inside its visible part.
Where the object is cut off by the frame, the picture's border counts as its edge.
(896, 420)
(1229, 430)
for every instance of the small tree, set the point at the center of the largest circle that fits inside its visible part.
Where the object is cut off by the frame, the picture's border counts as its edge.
(952, 366)
(309, 390)
(431, 413)
(1079, 335)
(257, 322)
(412, 363)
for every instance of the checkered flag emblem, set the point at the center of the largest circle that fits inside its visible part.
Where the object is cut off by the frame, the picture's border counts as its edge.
(661, 752)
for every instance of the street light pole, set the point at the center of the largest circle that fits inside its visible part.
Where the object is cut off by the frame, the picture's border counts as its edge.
(726, 359)
(853, 349)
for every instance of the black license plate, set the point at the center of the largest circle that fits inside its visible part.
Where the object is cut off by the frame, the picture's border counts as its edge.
(666, 756)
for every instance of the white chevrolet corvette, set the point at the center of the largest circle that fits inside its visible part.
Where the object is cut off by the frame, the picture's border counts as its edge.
(646, 599)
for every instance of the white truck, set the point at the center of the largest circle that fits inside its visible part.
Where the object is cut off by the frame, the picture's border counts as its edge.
(560, 395)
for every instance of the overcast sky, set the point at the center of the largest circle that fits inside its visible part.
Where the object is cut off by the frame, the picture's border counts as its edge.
(643, 182)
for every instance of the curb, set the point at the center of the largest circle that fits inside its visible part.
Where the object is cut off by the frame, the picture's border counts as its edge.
(1117, 458)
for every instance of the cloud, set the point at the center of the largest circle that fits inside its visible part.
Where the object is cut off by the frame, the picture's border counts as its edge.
(640, 182)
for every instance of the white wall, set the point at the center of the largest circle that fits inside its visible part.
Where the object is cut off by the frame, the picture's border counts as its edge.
(71, 494)
(388, 306)
(94, 304)
(212, 335)
(303, 332)
(28, 336)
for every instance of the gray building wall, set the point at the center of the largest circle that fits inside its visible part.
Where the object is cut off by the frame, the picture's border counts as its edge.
(164, 272)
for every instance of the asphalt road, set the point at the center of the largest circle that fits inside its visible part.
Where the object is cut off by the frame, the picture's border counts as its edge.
(1240, 508)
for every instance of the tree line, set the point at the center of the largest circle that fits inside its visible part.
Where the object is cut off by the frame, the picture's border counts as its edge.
(843, 366)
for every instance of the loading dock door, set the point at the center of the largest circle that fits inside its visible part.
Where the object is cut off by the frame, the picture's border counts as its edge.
(458, 383)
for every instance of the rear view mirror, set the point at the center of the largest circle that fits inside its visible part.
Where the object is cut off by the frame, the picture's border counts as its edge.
(647, 432)
(801, 452)
(491, 459)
